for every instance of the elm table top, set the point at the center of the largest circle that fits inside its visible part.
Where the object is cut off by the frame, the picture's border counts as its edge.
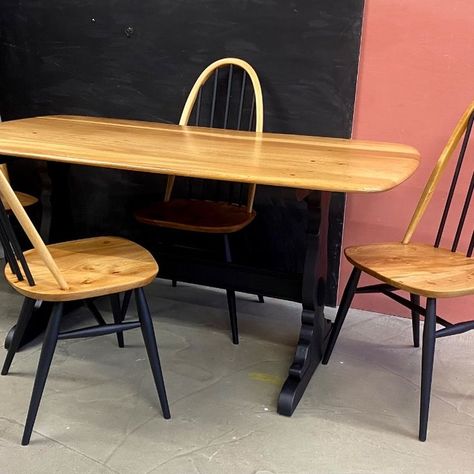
(297, 161)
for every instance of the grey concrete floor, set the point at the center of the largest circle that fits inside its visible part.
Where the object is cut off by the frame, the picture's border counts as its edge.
(360, 413)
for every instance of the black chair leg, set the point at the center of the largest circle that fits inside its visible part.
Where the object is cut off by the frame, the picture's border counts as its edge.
(117, 313)
(125, 303)
(429, 338)
(260, 299)
(231, 304)
(346, 301)
(174, 283)
(23, 320)
(152, 349)
(47, 351)
(415, 320)
(95, 312)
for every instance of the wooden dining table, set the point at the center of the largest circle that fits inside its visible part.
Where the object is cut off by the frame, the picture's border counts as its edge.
(302, 162)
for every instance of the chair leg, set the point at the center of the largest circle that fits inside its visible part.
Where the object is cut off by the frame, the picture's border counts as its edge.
(415, 320)
(346, 301)
(231, 303)
(174, 283)
(429, 338)
(47, 351)
(260, 299)
(23, 320)
(125, 303)
(117, 313)
(152, 349)
(95, 312)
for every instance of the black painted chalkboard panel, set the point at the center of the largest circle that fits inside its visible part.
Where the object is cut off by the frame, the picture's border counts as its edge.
(138, 60)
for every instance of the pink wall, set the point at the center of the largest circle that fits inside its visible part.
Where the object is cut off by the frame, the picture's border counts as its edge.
(416, 77)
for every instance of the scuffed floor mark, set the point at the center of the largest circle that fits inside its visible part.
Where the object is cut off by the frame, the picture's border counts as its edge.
(266, 378)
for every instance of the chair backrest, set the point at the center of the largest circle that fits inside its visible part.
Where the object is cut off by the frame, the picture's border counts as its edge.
(231, 100)
(462, 129)
(13, 252)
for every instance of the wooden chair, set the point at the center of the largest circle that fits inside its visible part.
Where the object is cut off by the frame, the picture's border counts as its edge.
(119, 310)
(232, 99)
(70, 271)
(420, 269)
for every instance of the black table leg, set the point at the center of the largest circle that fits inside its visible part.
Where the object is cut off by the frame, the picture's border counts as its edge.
(36, 326)
(314, 326)
(39, 321)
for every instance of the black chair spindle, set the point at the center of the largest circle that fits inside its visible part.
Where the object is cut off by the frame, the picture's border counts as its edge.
(454, 181)
(252, 113)
(227, 101)
(198, 107)
(15, 246)
(465, 208)
(242, 97)
(9, 255)
(471, 246)
(214, 98)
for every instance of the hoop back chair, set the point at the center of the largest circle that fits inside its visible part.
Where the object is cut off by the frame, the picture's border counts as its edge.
(70, 271)
(228, 95)
(430, 271)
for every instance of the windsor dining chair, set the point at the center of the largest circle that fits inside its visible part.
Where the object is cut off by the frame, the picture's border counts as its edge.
(71, 271)
(430, 271)
(227, 95)
(118, 309)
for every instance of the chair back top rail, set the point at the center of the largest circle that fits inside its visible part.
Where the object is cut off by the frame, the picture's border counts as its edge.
(213, 68)
(463, 128)
(195, 100)
(10, 198)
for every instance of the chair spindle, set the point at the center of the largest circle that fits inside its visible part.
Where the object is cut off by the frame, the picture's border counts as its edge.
(454, 181)
(214, 98)
(227, 101)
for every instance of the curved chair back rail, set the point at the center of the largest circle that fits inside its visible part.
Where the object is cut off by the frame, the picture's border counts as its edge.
(236, 88)
(463, 128)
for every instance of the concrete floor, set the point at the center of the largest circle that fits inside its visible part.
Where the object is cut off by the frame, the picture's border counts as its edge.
(360, 413)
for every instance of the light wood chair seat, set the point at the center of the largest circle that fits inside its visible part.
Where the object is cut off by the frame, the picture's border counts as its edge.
(25, 199)
(197, 215)
(418, 268)
(92, 267)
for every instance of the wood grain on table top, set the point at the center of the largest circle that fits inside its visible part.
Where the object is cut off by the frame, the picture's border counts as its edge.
(297, 161)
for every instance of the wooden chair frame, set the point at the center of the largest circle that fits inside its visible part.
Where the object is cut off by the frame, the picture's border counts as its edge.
(193, 96)
(390, 286)
(202, 206)
(19, 267)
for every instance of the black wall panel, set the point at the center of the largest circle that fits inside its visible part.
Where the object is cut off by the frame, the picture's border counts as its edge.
(138, 60)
